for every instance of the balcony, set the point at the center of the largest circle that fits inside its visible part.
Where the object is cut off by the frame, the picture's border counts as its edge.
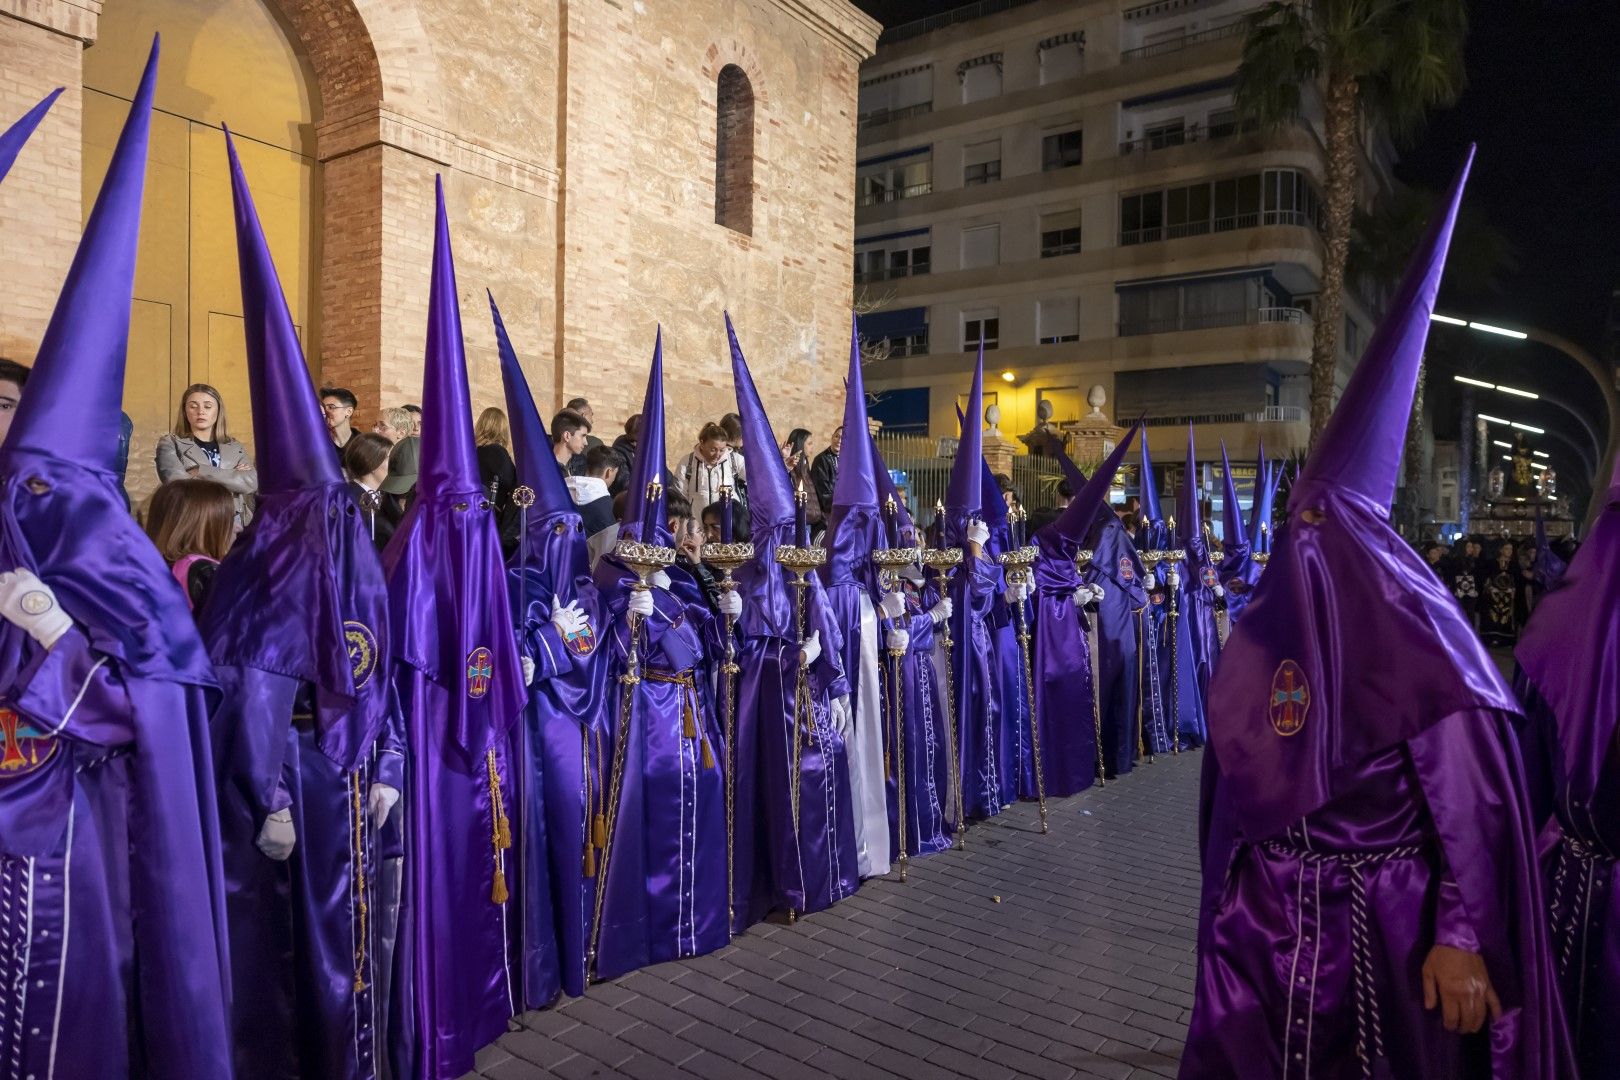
(1235, 28)
(889, 273)
(1182, 136)
(1271, 414)
(879, 117)
(1266, 316)
(1154, 233)
(872, 198)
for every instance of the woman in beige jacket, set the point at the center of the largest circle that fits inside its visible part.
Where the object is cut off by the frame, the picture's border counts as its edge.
(200, 447)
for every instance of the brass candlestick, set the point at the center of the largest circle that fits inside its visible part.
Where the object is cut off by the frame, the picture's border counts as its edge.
(801, 562)
(1082, 561)
(727, 558)
(1017, 565)
(944, 562)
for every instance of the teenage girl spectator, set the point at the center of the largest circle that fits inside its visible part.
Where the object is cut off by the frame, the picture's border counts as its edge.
(365, 461)
(200, 447)
(192, 522)
(710, 466)
(796, 456)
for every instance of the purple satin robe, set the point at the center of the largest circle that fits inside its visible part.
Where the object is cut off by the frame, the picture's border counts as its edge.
(929, 824)
(975, 590)
(1115, 568)
(1063, 665)
(664, 881)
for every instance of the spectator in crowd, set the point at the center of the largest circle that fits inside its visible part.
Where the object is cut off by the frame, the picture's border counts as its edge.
(590, 492)
(824, 471)
(395, 424)
(710, 466)
(192, 522)
(496, 469)
(689, 546)
(365, 462)
(13, 377)
(625, 447)
(796, 456)
(569, 434)
(337, 404)
(734, 433)
(1009, 490)
(416, 419)
(200, 447)
(583, 407)
(399, 486)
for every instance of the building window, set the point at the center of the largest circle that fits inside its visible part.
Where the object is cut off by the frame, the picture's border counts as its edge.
(981, 78)
(1141, 218)
(895, 96)
(892, 179)
(734, 151)
(1062, 57)
(981, 327)
(901, 332)
(981, 163)
(1275, 197)
(981, 246)
(1060, 234)
(1165, 133)
(1060, 151)
(1059, 320)
(881, 264)
(1352, 338)
(1204, 303)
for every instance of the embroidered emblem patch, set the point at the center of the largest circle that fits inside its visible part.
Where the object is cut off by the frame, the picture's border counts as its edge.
(1157, 597)
(1126, 571)
(1290, 699)
(1207, 576)
(26, 747)
(581, 641)
(480, 671)
(362, 646)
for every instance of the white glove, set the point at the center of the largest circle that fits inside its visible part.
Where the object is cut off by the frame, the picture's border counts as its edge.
(978, 532)
(1016, 594)
(380, 800)
(277, 835)
(1174, 580)
(1098, 592)
(898, 641)
(731, 603)
(811, 649)
(893, 605)
(659, 580)
(942, 611)
(568, 620)
(641, 603)
(843, 717)
(527, 663)
(28, 603)
(1081, 596)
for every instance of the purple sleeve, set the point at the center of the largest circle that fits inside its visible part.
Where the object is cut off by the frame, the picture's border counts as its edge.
(70, 689)
(1451, 924)
(545, 647)
(391, 747)
(827, 673)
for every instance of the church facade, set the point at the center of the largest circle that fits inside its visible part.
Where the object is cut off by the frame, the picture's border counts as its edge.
(609, 166)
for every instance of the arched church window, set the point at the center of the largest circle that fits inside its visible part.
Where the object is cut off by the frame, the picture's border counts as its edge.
(734, 152)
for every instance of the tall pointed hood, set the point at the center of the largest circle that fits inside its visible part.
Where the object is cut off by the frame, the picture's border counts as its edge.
(447, 587)
(649, 464)
(856, 483)
(301, 594)
(75, 393)
(1078, 518)
(13, 138)
(1153, 536)
(1311, 637)
(1549, 567)
(1360, 449)
(1189, 531)
(963, 492)
(1233, 534)
(770, 497)
(449, 454)
(1258, 510)
(531, 443)
(907, 527)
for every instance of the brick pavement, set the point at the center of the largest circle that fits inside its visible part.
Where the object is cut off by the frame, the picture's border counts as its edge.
(1069, 955)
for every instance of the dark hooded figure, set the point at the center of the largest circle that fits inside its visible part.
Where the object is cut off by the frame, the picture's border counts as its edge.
(1371, 904)
(308, 738)
(113, 926)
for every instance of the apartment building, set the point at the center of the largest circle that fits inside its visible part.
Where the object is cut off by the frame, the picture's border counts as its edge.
(1069, 184)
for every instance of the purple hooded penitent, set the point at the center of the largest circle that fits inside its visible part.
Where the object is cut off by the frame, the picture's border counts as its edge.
(1570, 686)
(1063, 650)
(125, 970)
(1154, 536)
(1196, 636)
(1363, 773)
(13, 138)
(663, 874)
(297, 625)
(461, 685)
(1549, 566)
(565, 738)
(1238, 571)
(810, 864)
(1260, 510)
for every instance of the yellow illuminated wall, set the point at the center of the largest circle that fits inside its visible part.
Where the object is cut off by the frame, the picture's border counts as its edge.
(223, 62)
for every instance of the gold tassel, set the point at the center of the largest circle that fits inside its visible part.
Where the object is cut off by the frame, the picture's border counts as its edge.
(503, 832)
(708, 755)
(689, 724)
(590, 861)
(599, 830)
(499, 893)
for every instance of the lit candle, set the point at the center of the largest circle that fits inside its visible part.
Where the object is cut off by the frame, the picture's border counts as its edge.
(801, 520)
(649, 515)
(725, 515)
(891, 522)
(939, 520)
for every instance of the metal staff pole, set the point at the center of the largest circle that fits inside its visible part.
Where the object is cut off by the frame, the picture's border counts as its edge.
(726, 557)
(944, 561)
(1017, 563)
(890, 562)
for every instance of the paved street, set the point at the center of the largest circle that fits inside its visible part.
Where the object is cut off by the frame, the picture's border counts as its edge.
(1023, 956)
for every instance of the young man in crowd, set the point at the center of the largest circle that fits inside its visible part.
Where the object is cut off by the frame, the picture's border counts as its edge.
(13, 377)
(569, 434)
(589, 491)
(583, 407)
(337, 405)
(824, 470)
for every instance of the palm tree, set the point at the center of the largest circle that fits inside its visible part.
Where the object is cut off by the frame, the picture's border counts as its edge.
(1379, 65)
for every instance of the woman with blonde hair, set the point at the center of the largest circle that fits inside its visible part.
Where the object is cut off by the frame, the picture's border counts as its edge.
(395, 424)
(192, 522)
(498, 471)
(201, 448)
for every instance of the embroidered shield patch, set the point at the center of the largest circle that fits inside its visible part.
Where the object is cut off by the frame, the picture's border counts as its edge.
(1207, 576)
(480, 671)
(362, 648)
(1290, 699)
(26, 749)
(581, 641)
(1126, 571)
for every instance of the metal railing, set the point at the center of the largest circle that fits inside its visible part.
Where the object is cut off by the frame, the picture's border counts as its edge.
(919, 27)
(872, 198)
(923, 466)
(1271, 414)
(1181, 137)
(889, 273)
(879, 117)
(1186, 41)
(1212, 319)
(1227, 223)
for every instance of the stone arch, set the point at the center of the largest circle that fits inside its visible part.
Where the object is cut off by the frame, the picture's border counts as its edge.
(734, 151)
